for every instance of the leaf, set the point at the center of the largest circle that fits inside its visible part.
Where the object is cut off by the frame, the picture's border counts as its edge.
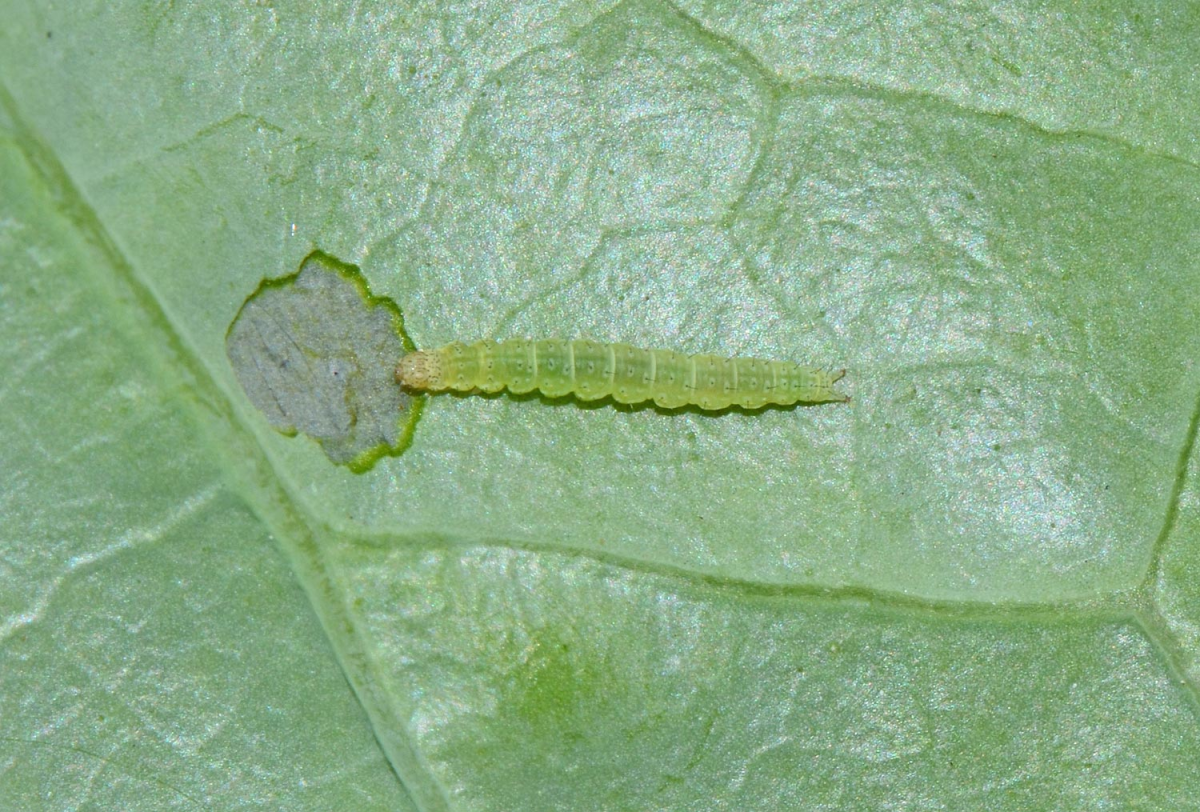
(975, 587)
(316, 353)
(147, 618)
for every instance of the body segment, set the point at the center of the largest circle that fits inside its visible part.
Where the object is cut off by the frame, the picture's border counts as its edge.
(591, 370)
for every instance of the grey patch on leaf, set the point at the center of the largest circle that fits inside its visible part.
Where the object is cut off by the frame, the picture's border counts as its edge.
(316, 354)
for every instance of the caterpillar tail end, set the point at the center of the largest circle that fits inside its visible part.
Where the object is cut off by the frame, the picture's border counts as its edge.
(834, 378)
(421, 371)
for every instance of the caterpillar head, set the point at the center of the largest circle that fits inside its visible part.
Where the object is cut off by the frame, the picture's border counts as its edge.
(420, 370)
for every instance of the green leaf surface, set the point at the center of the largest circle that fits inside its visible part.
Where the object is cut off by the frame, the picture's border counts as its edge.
(156, 650)
(975, 587)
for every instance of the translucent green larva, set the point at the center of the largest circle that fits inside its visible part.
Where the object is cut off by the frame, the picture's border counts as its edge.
(591, 370)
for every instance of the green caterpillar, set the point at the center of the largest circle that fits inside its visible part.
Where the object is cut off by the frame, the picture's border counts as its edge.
(591, 370)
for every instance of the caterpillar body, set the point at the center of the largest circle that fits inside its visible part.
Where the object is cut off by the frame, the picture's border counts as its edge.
(591, 370)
